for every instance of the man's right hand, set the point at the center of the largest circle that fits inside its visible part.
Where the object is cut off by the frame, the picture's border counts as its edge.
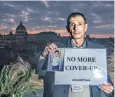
(49, 48)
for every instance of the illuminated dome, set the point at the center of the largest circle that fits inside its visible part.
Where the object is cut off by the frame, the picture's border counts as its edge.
(21, 29)
(21, 33)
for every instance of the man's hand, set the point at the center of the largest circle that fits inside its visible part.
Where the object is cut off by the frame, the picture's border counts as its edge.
(107, 88)
(49, 48)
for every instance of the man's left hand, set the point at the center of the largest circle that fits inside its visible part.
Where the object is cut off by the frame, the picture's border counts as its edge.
(107, 88)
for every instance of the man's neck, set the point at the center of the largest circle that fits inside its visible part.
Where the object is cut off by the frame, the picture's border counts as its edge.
(78, 42)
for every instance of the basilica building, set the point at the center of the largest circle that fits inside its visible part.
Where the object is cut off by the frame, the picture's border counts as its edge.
(19, 36)
(21, 33)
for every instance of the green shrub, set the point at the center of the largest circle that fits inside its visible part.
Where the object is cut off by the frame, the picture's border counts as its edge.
(17, 79)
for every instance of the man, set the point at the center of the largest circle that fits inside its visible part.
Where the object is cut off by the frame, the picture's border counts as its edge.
(56, 62)
(77, 27)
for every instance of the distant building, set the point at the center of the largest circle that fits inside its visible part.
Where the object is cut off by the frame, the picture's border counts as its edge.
(19, 36)
(87, 36)
(43, 36)
(21, 33)
(25, 44)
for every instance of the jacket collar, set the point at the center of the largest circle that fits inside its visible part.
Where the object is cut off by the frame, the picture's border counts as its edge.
(69, 43)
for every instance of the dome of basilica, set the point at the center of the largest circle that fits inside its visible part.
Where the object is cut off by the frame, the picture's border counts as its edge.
(21, 28)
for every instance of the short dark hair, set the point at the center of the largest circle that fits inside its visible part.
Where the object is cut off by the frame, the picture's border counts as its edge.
(56, 51)
(74, 14)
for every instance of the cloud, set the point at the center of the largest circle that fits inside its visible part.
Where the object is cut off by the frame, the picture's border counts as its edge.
(10, 5)
(105, 26)
(101, 4)
(97, 18)
(46, 18)
(3, 26)
(61, 19)
(24, 13)
(45, 3)
(53, 14)
(49, 12)
(10, 15)
(11, 20)
(44, 27)
(29, 9)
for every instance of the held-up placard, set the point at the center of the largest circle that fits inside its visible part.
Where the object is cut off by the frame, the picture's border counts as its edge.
(83, 66)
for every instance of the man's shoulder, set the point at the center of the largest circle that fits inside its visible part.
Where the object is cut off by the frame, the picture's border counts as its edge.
(91, 44)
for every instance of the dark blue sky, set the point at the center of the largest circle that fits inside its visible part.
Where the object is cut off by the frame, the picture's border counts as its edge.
(37, 15)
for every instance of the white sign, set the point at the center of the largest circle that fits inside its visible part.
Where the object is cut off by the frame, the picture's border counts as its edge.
(83, 66)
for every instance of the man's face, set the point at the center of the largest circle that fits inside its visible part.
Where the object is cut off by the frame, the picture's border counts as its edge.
(77, 27)
(56, 54)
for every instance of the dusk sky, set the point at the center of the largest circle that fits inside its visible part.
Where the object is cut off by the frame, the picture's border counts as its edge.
(50, 15)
